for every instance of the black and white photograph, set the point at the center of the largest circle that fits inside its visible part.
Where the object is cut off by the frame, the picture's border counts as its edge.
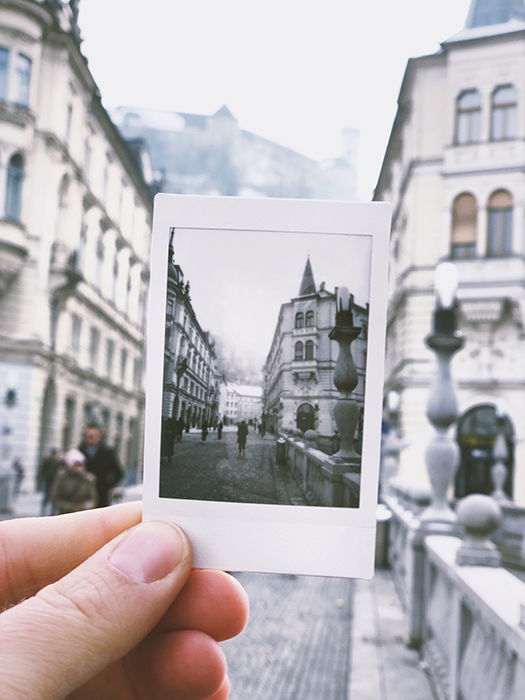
(264, 367)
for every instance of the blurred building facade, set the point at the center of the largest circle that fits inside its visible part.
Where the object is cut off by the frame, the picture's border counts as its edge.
(212, 154)
(453, 170)
(192, 383)
(74, 244)
(299, 391)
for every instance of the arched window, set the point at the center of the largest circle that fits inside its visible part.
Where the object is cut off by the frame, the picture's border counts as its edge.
(503, 113)
(309, 350)
(299, 320)
(15, 177)
(468, 117)
(299, 351)
(499, 231)
(464, 220)
(309, 319)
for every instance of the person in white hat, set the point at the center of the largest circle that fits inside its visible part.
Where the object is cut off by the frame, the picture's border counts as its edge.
(75, 488)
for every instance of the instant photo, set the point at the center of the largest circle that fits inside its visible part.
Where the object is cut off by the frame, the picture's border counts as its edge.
(265, 361)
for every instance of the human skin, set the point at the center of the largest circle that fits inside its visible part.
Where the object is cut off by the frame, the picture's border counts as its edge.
(94, 609)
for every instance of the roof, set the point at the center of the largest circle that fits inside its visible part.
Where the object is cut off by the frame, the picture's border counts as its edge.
(308, 282)
(488, 18)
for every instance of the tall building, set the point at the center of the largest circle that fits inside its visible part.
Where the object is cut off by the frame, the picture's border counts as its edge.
(212, 154)
(454, 171)
(74, 246)
(191, 384)
(299, 391)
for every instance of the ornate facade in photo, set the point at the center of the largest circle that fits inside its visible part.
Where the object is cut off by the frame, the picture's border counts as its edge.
(212, 154)
(299, 391)
(74, 247)
(453, 170)
(192, 383)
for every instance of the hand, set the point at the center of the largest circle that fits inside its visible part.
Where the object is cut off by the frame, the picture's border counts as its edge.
(97, 612)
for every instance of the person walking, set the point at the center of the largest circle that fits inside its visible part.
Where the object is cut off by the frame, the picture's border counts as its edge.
(219, 430)
(20, 473)
(74, 488)
(204, 431)
(46, 477)
(242, 436)
(102, 462)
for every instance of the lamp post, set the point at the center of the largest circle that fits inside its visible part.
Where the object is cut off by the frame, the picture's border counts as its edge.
(442, 454)
(346, 410)
(9, 401)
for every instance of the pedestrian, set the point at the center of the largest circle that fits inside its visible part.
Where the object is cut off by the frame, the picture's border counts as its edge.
(204, 430)
(74, 488)
(46, 477)
(101, 461)
(179, 429)
(20, 472)
(219, 430)
(242, 436)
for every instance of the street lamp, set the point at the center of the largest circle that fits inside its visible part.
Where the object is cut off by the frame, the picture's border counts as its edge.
(442, 454)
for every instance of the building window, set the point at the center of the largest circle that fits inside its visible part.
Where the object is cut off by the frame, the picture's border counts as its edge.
(123, 364)
(100, 263)
(309, 319)
(82, 247)
(69, 119)
(464, 224)
(499, 233)
(299, 320)
(503, 116)
(110, 354)
(309, 350)
(94, 343)
(468, 117)
(114, 282)
(15, 177)
(128, 295)
(87, 158)
(4, 64)
(76, 331)
(299, 351)
(137, 372)
(63, 192)
(22, 79)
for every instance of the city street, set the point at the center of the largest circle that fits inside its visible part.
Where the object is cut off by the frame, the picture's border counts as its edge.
(213, 470)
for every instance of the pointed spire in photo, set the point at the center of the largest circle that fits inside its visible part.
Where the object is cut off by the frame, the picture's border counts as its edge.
(308, 282)
(485, 13)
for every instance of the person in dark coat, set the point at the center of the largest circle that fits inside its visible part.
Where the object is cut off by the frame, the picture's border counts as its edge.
(46, 477)
(219, 430)
(242, 436)
(204, 430)
(74, 488)
(101, 461)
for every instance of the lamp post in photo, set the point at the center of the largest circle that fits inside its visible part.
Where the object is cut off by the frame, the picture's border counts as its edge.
(442, 454)
(9, 401)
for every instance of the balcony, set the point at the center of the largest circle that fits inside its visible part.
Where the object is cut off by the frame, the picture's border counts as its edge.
(13, 252)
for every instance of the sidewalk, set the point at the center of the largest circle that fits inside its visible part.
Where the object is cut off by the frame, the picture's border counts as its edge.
(323, 638)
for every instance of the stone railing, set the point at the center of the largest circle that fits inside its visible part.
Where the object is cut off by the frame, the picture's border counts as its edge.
(464, 619)
(323, 482)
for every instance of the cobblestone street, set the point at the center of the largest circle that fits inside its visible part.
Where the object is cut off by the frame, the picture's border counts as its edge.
(297, 643)
(212, 470)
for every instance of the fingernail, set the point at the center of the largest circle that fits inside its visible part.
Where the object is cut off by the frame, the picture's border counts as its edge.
(149, 553)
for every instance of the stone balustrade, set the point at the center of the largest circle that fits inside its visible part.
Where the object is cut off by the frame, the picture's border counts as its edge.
(464, 619)
(323, 482)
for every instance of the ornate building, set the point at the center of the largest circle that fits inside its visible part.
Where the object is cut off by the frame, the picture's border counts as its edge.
(211, 154)
(299, 392)
(74, 246)
(191, 388)
(240, 402)
(453, 170)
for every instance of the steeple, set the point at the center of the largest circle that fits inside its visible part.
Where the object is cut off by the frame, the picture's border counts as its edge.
(308, 282)
(485, 13)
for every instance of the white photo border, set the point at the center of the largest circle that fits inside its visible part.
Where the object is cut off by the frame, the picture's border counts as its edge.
(266, 537)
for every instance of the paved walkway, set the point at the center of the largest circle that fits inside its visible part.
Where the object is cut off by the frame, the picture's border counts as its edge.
(314, 638)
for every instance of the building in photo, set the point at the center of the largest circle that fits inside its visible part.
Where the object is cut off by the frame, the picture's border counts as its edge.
(212, 154)
(241, 402)
(192, 383)
(453, 170)
(74, 247)
(299, 391)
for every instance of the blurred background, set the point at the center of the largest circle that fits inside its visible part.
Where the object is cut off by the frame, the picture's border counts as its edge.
(105, 103)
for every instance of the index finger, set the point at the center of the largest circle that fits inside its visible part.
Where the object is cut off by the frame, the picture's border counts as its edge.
(37, 551)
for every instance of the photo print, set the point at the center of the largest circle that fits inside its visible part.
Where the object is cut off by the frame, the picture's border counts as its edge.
(264, 383)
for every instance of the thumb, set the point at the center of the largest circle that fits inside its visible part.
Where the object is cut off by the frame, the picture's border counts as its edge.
(69, 631)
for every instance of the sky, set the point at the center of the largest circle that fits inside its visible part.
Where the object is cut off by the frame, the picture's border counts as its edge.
(238, 279)
(294, 71)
